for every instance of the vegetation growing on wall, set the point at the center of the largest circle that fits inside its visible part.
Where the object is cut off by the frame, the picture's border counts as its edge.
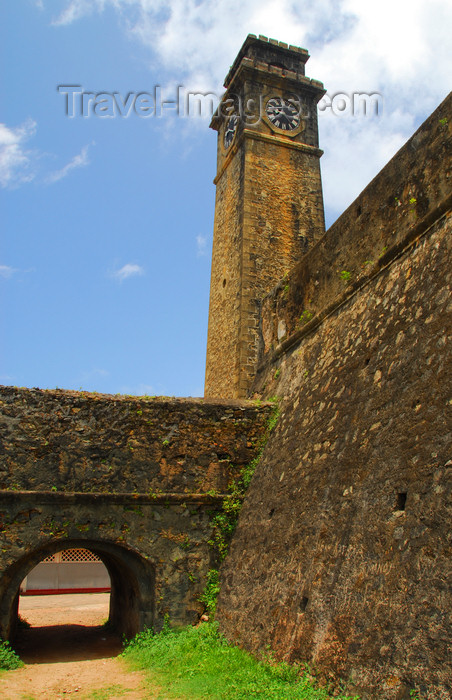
(225, 521)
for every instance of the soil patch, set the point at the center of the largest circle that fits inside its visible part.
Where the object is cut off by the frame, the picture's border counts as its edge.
(68, 652)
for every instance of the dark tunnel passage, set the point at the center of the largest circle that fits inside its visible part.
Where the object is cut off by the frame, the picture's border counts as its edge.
(132, 597)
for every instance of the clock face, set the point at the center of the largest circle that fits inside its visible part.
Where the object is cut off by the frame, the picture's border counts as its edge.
(282, 113)
(231, 126)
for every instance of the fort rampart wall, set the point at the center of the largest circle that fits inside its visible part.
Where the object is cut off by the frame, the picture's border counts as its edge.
(342, 553)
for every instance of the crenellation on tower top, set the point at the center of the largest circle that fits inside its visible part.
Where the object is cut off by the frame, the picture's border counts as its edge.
(270, 52)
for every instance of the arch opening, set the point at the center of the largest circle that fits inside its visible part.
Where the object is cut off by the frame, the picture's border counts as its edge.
(67, 571)
(132, 580)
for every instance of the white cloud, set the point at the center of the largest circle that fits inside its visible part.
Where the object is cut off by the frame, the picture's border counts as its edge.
(356, 152)
(78, 161)
(400, 49)
(93, 374)
(200, 37)
(76, 9)
(16, 162)
(6, 271)
(6, 379)
(141, 389)
(201, 245)
(128, 270)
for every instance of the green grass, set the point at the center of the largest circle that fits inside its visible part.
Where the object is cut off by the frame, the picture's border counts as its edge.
(197, 662)
(112, 691)
(8, 657)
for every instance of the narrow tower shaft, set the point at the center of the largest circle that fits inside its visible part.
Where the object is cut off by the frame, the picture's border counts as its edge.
(269, 205)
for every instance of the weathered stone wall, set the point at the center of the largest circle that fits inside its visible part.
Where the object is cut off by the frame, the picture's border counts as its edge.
(283, 217)
(342, 553)
(224, 304)
(75, 441)
(409, 194)
(165, 537)
(136, 480)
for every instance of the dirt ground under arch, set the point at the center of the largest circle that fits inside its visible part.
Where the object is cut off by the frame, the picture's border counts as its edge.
(68, 653)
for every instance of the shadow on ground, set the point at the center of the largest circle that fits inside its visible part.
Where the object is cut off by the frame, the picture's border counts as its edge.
(56, 643)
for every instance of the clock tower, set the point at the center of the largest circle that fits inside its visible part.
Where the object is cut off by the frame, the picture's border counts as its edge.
(269, 205)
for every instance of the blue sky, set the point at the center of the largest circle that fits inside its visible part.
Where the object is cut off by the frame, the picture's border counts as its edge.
(107, 221)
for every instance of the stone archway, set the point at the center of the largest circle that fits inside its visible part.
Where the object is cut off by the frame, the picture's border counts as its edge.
(132, 598)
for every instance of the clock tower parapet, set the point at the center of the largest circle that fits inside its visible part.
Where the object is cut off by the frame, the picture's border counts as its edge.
(269, 52)
(267, 81)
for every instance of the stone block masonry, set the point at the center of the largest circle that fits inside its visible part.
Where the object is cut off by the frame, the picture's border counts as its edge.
(268, 209)
(135, 480)
(81, 442)
(342, 555)
(411, 192)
